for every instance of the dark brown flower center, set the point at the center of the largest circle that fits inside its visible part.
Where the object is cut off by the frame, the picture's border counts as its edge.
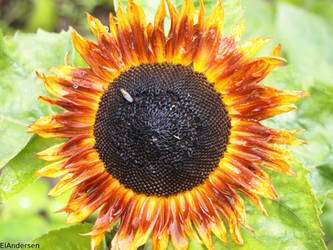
(161, 129)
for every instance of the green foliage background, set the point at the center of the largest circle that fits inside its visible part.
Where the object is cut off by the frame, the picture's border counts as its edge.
(303, 216)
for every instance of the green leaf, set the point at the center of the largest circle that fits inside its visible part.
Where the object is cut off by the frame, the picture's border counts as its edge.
(19, 86)
(306, 43)
(314, 114)
(67, 238)
(327, 220)
(22, 228)
(293, 219)
(321, 178)
(20, 171)
(307, 40)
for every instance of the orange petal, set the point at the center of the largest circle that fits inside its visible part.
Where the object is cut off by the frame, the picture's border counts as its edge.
(125, 39)
(148, 217)
(179, 44)
(67, 104)
(66, 149)
(95, 240)
(227, 202)
(111, 212)
(254, 199)
(94, 57)
(234, 171)
(84, 78)
(72, 180)
(210, 39)
(157, 38)
(53, 170)
(69, 92)
(184, 217)
(136, 18)
(256, 130)
(176, 228)
(92, 200)
(200, 220)
(251, 47)
(253, 71)
(128, 226)
(62, 125)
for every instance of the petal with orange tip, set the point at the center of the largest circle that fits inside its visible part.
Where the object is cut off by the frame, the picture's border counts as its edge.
(109, 214)
(252, 71)
(179, 43)
(125, 39)
(226, 201)
(234, 172)
(95, 240)
(62, 125)
(176, 228)
(148, 217)
(95, 57)
(262, 95)
(128, 226)
(137, 21)
(199, 220)
(72, 180)
(256, 130)
(56, 87)
(84, 78)
(66, 149)
(210, 38)
(157, 38)
(107, 42)
(53, 170)
(205, 203)
(67, 104)
(91, 201)
(251, 47)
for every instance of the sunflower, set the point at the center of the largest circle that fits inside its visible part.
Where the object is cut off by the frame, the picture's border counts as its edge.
(164, 131)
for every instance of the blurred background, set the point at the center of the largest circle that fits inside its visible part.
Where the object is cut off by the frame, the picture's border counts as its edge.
(31, 213)
(56, 15)
(50, 15)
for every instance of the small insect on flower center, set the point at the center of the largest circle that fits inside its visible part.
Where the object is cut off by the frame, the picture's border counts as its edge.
(161, 129)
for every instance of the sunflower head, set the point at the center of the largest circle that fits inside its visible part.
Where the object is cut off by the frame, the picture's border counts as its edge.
(164, 129)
